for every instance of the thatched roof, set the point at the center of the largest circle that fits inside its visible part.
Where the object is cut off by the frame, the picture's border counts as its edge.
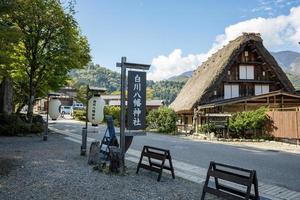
(210, 73)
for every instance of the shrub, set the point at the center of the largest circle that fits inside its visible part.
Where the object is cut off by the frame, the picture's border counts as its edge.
(12, 125)
(163, 119)
(115, 112)
(37, 127)
(244, 124)
(207, 128)
(79, 115)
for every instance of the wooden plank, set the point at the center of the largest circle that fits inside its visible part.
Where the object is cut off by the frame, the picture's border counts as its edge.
(286, 123)
(154, 155)
(232, 167)
(134, 65)
(235, 178)
(158, 165)
(150, 168)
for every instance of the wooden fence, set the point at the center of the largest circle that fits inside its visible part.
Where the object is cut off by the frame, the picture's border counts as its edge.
(286, 123)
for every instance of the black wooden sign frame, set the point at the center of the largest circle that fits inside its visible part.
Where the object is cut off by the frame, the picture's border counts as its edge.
(136, 111)
(236, 175)
(156, 160)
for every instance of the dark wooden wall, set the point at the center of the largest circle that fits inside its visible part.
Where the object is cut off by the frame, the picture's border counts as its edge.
(247, 87)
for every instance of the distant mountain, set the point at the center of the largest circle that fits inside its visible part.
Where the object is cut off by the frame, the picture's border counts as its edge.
(187, 73)
(182, 77)
(95, 75)
(168, 89)
(288, 60)
(295, 79)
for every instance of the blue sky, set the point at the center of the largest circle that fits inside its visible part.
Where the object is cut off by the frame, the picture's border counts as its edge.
(149, 31)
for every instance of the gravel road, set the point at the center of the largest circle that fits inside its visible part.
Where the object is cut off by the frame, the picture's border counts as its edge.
(33, 169)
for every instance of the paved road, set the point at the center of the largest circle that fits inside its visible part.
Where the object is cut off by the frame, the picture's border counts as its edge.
(274, 168)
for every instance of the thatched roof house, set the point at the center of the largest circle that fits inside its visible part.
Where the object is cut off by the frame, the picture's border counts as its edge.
(210, 73)
(240, 70)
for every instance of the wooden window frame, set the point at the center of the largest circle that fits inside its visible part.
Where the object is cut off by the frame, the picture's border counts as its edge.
(246, 72)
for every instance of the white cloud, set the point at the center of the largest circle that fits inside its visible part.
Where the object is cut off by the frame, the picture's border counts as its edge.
(174, 64)
(277, 32)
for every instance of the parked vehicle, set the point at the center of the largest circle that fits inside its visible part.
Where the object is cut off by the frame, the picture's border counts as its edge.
(78, 106)
(66, 110)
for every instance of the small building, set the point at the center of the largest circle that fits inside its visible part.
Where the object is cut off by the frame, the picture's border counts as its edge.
(115, 100)
(66, 97)
(241, 76)
(68, 91)
(110, 97)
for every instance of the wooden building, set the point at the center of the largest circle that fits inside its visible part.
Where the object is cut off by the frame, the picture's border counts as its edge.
(241, 76)
(115, 100)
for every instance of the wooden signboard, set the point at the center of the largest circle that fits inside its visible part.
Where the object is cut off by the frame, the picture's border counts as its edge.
(136, 110)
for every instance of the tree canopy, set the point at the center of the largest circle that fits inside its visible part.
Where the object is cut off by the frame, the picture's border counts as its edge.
(50, 45)
(9, 36)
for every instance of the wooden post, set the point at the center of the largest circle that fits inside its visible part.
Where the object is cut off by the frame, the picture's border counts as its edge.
(85, 129)
(123, 110)
(124, 65)
(195, 120)
(297, 124)
(86, 108)
(45, 137)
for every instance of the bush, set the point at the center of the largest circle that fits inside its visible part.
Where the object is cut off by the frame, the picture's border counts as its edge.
(163, 119)
(207, 128)
(115, 112)
(12, 125)
(79, 115)
(248, 124)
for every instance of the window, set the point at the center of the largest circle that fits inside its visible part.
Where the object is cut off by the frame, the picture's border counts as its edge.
(186, 120)
(231, 91)
(261, 89)
(246, 72)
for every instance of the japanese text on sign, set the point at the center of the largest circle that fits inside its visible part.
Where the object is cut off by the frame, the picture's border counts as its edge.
(136, 100)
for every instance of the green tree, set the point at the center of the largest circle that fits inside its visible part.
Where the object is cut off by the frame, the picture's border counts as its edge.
(51, 45)
(98, 76)
(9, 36)
(166, 90)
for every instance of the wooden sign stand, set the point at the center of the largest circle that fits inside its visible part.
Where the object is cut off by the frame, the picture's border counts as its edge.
(153, 153)
(236, 175)
(125, 65)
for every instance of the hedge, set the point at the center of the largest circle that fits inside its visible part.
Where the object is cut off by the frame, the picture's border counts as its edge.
(17, 125)
(251, 124)
(113, 111)
(162, 119)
